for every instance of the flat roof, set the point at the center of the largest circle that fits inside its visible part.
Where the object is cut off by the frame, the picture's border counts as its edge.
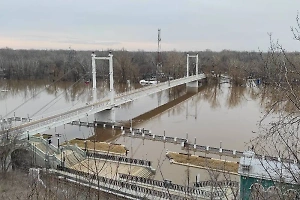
(262, 168)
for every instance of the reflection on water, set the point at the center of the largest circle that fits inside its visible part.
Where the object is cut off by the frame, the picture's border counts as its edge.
(218, 115)
(32, 98)
(220, 111)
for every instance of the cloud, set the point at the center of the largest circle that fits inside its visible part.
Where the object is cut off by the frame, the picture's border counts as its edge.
(185, 24)
(89, 42)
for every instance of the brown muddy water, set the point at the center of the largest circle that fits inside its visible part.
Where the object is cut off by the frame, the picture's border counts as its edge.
(217, 115)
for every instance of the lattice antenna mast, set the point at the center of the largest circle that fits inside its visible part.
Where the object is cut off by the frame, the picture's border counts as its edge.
(159, 63)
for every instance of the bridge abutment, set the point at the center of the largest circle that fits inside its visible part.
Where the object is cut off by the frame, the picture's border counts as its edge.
(106, 116)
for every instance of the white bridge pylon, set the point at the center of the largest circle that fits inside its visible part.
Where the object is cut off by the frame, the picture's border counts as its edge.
(191, 86)
(188, 56)
(111, 77)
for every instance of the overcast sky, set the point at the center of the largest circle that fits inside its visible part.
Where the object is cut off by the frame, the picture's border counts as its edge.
(132, 24)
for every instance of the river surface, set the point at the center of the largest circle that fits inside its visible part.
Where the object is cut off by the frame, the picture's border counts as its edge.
(217, 115)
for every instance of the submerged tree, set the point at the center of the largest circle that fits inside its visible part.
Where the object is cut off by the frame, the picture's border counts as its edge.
(280, 125)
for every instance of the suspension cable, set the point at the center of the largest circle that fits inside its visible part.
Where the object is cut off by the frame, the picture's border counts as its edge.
(59, 79)
(53, 99)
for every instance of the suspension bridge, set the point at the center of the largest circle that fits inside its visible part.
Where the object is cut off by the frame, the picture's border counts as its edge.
(104, 109)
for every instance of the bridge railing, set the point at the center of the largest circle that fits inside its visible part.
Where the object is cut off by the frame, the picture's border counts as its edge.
(181, 188)
(224, 183)
(123, 159)
(117, 186)
(50, 160)
(138, 133)
(141, 89)
(81, 108)
(54, 161)
(14, 119)
(76, 149)
(140, 190)
(63, 113)
(45, 142)
(52, 119)
(55, 113)
(134, 93)
(37, 151)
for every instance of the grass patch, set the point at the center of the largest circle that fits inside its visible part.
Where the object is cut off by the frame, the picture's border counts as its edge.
(98, 146)
(45, 136)
(204, 162)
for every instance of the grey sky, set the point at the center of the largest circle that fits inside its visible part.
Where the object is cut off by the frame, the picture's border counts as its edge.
(132, 24)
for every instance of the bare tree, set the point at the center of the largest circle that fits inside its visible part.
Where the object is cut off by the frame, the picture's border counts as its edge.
(280, 126)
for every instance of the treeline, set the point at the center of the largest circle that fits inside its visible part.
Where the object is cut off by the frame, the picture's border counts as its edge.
(70, 65)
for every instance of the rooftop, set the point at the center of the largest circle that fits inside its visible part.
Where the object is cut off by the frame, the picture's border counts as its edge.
(276, 170)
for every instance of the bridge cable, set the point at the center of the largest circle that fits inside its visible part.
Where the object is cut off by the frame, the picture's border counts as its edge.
(60, 78)
(56, 98)
(62, 93)
(32, 97)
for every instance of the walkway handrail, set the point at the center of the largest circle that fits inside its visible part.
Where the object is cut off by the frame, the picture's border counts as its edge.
(172, 186)
(76, 149)
(227, 183)
(195, 192)
(113, 184)
(38, 151)
(45, 142)
(122, 159)
(43, 155)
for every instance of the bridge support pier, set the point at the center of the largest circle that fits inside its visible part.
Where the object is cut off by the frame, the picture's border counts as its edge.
(192, 86)
(106, 116)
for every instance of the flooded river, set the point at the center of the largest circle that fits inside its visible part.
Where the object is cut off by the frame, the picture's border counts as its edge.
(217, 115)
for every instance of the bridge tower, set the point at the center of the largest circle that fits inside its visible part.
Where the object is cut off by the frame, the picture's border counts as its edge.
(106, 115)
(192, 86)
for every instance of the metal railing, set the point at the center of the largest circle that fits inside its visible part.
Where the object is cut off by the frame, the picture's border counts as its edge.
(123, 159)
(140, 190)
(177, 187)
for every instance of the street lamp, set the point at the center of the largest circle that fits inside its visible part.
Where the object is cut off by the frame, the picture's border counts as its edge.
(57, 135)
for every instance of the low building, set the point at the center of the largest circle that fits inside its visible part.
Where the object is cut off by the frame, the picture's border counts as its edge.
(268, 178)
